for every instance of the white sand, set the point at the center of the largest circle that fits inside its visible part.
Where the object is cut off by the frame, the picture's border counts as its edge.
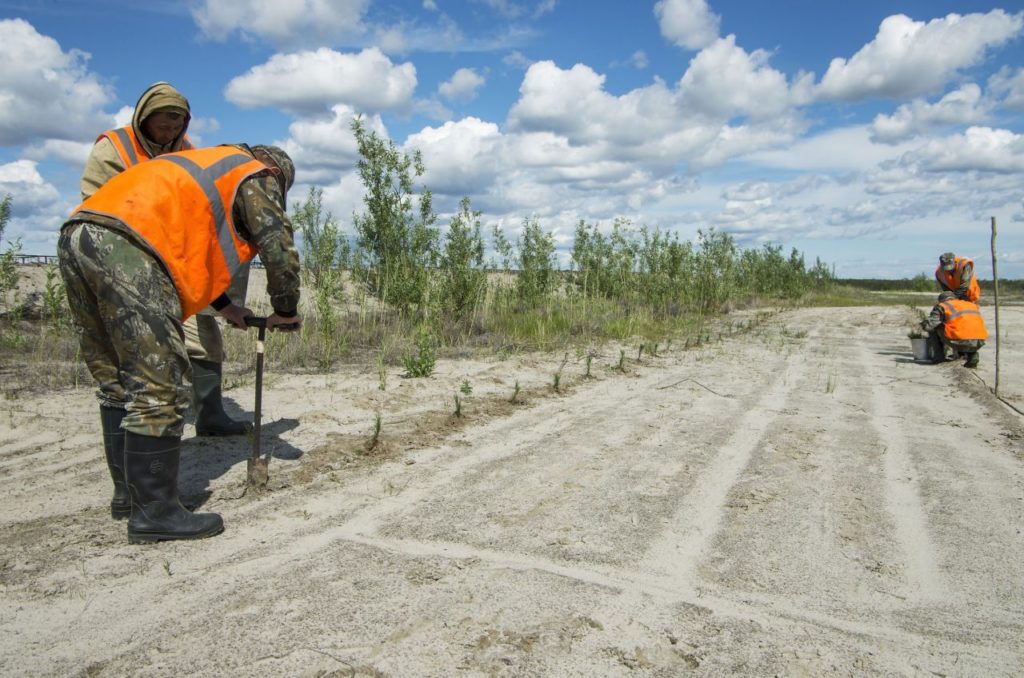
(802, 500)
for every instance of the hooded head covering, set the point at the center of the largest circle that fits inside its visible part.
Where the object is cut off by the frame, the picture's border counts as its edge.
(947, 261)
(159, 95)
(276, 157)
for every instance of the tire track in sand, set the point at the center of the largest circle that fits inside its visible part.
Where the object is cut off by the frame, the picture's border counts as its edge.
(924, 579)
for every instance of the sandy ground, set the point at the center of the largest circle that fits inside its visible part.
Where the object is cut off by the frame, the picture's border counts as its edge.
(798, 500)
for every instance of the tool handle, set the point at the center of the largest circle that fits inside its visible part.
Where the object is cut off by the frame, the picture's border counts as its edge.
(256, 321)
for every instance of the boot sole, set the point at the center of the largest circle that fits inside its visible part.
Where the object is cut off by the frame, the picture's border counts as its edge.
(153, 537)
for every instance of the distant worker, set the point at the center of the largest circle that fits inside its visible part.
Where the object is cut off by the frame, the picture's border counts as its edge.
(148, 250)
(956, 274)
(159, 125)
(955, 329)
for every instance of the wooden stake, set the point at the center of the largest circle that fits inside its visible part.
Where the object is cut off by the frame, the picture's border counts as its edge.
(995, 287)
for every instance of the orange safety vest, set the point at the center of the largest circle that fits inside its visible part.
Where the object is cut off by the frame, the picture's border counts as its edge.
(180, 204)
(128, 147)
(962, 320)
(952, 279)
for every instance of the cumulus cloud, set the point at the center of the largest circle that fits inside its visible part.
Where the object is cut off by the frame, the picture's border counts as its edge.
(913, 58)
(573, 103)
(461, 157)
(37, 210)
(962, 106)
(462, 86)
(311, 82)
(688, 23)
(51, 93)
(724, 80)
(1008, 85)
(323, 147)
(291, 23)
(979, 148)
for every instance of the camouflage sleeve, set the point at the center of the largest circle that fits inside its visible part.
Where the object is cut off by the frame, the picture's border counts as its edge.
(261, 219)
(934, 319)
(965, 281)
(103, 165)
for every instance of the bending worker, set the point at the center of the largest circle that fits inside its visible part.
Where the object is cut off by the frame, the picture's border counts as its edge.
(955, 327)
(159, 125)
(148, 250)
(956, 274)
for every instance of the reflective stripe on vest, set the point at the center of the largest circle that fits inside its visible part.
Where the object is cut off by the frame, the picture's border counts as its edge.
(963, 321)
(206, 178)
(128, 147)
(179, 205)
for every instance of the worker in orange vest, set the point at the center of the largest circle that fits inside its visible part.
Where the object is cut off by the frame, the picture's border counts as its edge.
(150, 248)
(159, 125)
(956, 329)
(956, 274)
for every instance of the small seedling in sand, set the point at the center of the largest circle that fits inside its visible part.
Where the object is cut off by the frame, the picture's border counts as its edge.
(515, 393)
(587, 375)
(622, 360)
(466, 388)
(458, 405)
(375, 438)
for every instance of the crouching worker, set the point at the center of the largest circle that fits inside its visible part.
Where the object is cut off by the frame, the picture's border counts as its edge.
(150, 248)
(955, 329)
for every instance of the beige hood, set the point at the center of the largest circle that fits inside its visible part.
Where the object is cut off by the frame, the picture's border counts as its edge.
(159, 95)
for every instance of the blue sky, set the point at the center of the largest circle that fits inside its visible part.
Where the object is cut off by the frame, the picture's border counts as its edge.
(874, 135)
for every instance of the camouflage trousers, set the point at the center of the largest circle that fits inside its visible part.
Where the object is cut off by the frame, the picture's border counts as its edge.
(203, 340)
(128, 317)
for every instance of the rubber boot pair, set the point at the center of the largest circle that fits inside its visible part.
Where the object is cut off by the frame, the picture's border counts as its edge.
(113, 447)
(972, 360)
(151, 474)
(211, 419)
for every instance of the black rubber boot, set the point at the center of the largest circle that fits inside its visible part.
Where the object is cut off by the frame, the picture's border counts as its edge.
(972, 360)
(151, 467)
(113, 447)
(211, 419)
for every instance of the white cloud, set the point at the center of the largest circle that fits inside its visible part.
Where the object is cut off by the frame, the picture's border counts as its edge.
(687, 23)
(73, 153)
(50, 93)
(979, 148)
(912, 58)
(461, 157)
(37, 209)
(962, 106)
(430, 5)
(640, 59)
(1009, 85)
(290, 23)
(311, 82)
(723, 81)
(124, 115)
(462, 86)
(322, 146)
(844, 149)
